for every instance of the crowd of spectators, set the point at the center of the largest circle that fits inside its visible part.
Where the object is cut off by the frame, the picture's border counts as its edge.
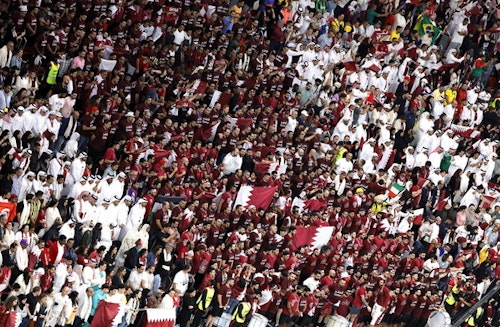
(128, 128)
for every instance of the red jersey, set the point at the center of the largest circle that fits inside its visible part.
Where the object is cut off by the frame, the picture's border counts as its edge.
(225, 292)
(383, 297)
(292, 304)
(345, 302)
(360, 292)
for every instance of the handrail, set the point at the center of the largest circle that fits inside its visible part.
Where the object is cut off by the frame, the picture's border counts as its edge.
(457, 322)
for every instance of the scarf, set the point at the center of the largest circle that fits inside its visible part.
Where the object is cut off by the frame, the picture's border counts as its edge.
(70, 128)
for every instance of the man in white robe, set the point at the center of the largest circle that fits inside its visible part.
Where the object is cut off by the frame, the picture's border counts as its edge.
(135, 217)
(472, 196)
(56, 165)
(78, 188)
(123, 209)
(410, 158)
(446, 141)
(342, 128)
(119, 185)
(367, 150)
(105, 189)
(421, 158)
(84, 305)
(103, 217)
(77, 169)
(62, 308)
(425, 141)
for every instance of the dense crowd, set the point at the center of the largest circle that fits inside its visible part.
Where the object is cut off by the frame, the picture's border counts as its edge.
(129, 127)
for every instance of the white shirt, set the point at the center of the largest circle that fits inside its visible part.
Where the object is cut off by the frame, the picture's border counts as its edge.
(312, 283)
(84, 306)
(457, 38)
(179, 36)
(135, 279)
(5, 56)
(344, 165)
(56, 102)
(181, 281)
(231, 163)
(430, 266)
(22, 258)
(291, 125)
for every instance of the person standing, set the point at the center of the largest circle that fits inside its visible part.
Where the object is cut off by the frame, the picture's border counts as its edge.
(58, 313)
(458, 35)
(382, 300)
(6, 54)
(223, 295)
(40, 311)
(187, 307)
(203, 303)
(359, 302)
(181, 280)
(84, 307)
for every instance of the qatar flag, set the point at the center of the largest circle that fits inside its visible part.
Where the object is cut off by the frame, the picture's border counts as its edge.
(105, 314)
(261, 168)
(260, 197)
(422, 181)
(487, 200)
(310, 205)
(206, 132)
(465, 131)
(219, 97)
(315, 205)
(313, 236)
(494, 186)
(441, 204)
(159, 318)
(418, 216)
(241, 122)
(198, 87)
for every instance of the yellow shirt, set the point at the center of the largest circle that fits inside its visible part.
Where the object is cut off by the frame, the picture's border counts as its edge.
(395, 35)
(337, 25)
(450, 95)
(237, 10)
(438, 94)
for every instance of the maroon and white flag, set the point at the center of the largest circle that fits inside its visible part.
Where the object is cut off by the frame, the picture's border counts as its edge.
(241, 122)
(441, 204)
(309, 205)
(105, 314)
(261, 168)
(159, 318)
(206, 132)
(313, 236)
(260, 197)
(487, 200)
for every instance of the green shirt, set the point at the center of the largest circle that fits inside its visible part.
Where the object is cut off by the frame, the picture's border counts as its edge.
(320, 6)
(371, 15)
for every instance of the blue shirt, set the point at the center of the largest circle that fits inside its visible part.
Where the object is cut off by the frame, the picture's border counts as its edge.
(98, 296)
(16, 61)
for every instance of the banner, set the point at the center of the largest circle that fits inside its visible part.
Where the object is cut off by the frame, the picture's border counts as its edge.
(9, 209)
